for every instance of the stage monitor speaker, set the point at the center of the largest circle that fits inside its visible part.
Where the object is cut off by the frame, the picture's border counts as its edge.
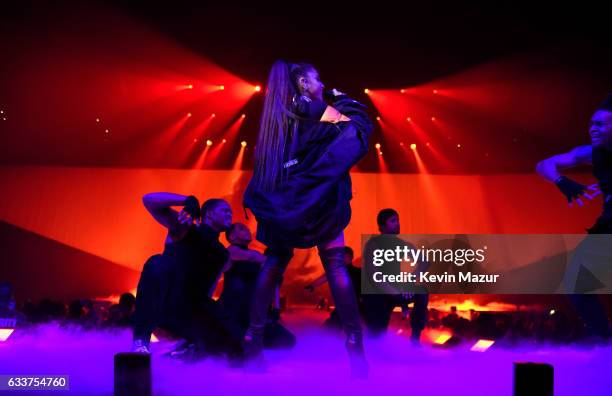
(132, 374)
(533, 379)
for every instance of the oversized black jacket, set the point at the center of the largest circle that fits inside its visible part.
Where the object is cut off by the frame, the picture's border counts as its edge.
(312, 205)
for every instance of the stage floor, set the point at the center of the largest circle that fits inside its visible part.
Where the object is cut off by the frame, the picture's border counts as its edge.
(316, 366)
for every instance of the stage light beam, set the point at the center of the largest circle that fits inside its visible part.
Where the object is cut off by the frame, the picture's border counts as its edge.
(482, 345)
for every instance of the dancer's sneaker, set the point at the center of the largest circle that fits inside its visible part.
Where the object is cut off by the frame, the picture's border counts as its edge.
(140, 346)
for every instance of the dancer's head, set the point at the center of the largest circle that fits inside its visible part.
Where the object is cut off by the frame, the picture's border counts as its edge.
(349, 255)
(239, 234)
(601, 125)
(286, 80)
(388, 221)
(217, 214)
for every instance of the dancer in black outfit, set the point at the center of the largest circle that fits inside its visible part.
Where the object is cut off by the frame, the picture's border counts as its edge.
(301, 188)
(599, 155)
(175, 286)
(377, 308)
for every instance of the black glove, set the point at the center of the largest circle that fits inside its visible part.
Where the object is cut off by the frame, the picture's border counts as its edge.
(308, 108)
(571, 189)
(192, 207)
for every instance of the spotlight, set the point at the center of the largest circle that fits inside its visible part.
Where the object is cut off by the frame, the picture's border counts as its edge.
(221, 87)
(408, 119)
(413, 146)
(552, 312)
(402, 91)
(442, 338)
(378, 118)
(209, 142)
(1, 111)
(195, 140)
(459, 145)
(402, 144)
(154, 338)
(188, 114)
(435, 91)
(377, 145)
(5, 334)
(244, 116)
(366, 91)
(224, 141)
(106, 131)
(433, 118)
(257, 88)
(243, 143)
(380, 152)
(190, 86)
(213, 115)
(97, 120)
(427, 144)
(482, 345)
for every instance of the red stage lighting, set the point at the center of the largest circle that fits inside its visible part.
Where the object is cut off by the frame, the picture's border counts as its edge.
(435, 91)
(97, 120)
(243, 143)
(188, 114)
(378, 118)
(190, 86)
(223, 141)
(366, 91)
(209, 142)
(413, 146)
(221, 87)
(213, 115)
(433, 118)
(408, 119)
(257, 88)
(402, 90)
(377, 145)
(244, 115)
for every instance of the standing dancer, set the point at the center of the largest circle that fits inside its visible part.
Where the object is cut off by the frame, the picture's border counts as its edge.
(599, 155)
(301, 188)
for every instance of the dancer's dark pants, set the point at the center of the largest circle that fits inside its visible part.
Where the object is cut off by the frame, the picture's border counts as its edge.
(589, 306)
(377, 309)
(162, 301)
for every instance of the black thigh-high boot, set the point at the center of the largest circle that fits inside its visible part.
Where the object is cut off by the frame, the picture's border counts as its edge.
(346, 304)
(271, 271)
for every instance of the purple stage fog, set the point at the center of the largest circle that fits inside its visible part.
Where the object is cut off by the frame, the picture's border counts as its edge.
(316, 366)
